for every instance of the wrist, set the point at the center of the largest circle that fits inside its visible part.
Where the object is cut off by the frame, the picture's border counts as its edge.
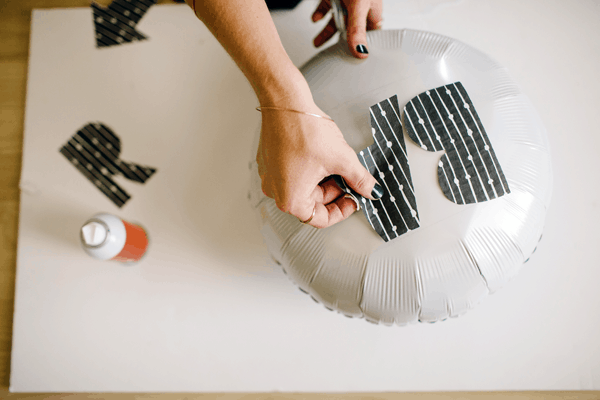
(285, 88)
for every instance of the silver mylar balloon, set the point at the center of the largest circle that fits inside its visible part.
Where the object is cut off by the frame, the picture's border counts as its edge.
(461, 252)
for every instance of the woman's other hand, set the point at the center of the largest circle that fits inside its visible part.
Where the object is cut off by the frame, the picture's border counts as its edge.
(363, 15)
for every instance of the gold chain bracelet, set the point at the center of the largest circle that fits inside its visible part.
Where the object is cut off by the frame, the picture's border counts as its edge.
(296, 111)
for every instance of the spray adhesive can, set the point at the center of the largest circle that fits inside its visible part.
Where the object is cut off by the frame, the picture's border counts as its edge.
(107, 237)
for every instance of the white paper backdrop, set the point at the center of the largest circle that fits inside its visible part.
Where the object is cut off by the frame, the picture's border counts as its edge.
(207, 310)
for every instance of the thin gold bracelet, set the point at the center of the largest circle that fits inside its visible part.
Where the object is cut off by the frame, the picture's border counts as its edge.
(296, 111)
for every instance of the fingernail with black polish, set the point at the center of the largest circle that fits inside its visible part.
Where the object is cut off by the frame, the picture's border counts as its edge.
(362, 49)
(377, 192)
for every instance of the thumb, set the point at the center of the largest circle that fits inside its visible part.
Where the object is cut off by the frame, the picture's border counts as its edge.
(359, 179)
(356, 29)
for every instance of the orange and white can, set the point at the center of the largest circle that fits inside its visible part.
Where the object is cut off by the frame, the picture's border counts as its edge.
(108, 237)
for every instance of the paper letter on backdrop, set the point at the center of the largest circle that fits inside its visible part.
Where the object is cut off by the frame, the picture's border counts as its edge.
(116, 24)
(94, 150)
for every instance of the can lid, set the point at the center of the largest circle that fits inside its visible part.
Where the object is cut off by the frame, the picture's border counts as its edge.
(94, 233)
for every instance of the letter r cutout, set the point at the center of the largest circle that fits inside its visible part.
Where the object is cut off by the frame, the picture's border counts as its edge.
(94, 150)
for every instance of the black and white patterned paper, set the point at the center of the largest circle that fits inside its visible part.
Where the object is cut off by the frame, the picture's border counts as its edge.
(115, 24)
(94, 150)
(396, 212)
(445, 119)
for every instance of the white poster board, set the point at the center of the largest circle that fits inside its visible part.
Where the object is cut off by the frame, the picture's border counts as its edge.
(207, 310)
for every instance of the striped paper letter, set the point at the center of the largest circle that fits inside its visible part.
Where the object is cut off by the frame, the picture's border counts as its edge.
(94, 150)
(445, 119)
(396, 212)
(116, 24)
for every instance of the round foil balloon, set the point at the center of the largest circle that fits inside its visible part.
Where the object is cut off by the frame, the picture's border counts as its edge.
(464, 161)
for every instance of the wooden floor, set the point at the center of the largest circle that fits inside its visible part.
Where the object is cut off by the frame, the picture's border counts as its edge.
(14, 45)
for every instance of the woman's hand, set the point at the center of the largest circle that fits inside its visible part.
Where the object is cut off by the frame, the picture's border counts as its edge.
(363, 15)
(297, 152)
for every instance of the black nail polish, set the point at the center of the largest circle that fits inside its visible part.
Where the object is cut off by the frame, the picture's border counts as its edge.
(377, 192)
(362, 49)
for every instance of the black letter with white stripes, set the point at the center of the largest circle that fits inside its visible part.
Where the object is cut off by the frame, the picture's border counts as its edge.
(116, 24)
(94, 150)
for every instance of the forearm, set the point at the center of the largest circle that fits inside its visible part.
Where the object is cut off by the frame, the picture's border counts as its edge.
(246, 31)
